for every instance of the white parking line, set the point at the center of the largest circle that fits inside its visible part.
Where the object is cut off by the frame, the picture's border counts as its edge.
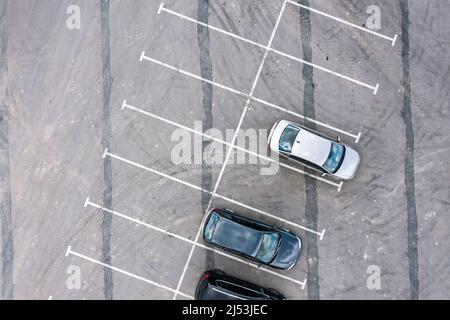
(192, 186)
(231, 145)
(168, 66)
(82, 256)
(183, 17)
(393, 40)
(200, 245)
(268, 104)
(269, 49)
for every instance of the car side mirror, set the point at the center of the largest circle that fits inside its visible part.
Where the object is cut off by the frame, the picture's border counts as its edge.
(338, 138)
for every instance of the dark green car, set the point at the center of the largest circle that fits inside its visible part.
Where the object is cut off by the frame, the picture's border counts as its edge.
(257, 241)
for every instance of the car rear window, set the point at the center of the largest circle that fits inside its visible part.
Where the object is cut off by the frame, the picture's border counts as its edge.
(287, 138)
(209, 229)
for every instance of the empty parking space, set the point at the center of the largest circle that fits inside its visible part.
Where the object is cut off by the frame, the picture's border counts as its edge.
(281, 201)
(149, 254)
(226, 69)
(97, 262)
(254, 19)
(162, 121)
(333, 49)
(282, 85)
(171, 141)
(147, 197)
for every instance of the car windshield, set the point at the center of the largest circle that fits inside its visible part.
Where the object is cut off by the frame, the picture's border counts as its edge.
(335, 158)
(287, 138)
(209, 229)
(268, 246)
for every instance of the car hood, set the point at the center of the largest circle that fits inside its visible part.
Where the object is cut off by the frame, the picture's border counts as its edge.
(349, 166)
(289, 252)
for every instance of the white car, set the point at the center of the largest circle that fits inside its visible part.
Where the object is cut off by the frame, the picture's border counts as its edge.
(314, 150)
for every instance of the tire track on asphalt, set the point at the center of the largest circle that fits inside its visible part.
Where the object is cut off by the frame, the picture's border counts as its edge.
(207, 98)
(311, 208)
(106, 140)
(5, 178)
(413, 255)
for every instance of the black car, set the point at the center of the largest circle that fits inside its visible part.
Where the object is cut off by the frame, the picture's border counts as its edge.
(262, 243)
(217, 285)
